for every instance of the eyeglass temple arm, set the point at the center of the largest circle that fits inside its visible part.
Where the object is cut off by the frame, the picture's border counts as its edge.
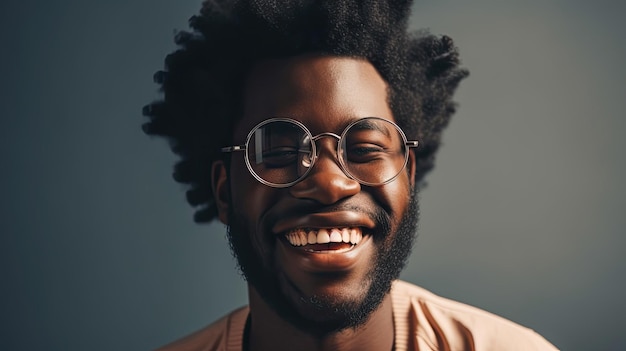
(234, 148)
(412, 143)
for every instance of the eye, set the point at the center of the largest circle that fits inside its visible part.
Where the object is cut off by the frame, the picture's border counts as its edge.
(280, 157)
(361, 153)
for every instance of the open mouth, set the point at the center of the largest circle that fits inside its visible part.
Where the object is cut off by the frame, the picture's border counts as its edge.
(324, 240)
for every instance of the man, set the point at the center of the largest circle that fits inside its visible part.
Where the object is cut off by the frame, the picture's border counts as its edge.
(307, 127)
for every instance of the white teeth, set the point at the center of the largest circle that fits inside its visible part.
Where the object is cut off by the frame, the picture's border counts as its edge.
(300, 237)
(335, 236)
(322, 236)
(296, 239)
(355, 236)
(345, 235)
(303, 237)
(312, 239)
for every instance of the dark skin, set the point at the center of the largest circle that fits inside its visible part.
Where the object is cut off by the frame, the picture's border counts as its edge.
(325, 94)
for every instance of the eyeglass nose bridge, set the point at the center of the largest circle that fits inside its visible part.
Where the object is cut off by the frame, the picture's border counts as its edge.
(326, 134)
(316, 149)
(320, 136)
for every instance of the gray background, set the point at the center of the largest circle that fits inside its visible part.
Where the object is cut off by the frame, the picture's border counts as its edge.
(523, 216)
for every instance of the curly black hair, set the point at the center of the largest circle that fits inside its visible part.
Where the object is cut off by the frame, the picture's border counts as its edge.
(202, 81)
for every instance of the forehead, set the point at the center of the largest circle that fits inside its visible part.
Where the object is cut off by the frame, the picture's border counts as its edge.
(325, 93)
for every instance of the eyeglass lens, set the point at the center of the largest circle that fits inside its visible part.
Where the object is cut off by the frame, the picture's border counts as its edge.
(372, 151)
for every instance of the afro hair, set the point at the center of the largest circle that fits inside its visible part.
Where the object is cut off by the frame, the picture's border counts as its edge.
(203, 79)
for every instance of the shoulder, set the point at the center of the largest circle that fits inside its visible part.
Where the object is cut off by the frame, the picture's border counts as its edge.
(439, 323)
(224, 334)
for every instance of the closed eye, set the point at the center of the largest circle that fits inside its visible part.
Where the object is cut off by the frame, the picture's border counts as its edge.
(280, 157)
(365, 153)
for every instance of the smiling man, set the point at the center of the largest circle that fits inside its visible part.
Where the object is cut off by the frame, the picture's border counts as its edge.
(307, 128)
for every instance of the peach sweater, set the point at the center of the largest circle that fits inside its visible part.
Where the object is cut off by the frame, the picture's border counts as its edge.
(422, 321)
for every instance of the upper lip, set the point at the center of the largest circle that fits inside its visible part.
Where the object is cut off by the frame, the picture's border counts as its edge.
(334, 219)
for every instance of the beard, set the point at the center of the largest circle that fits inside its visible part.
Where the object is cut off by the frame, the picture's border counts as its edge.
(331, 315)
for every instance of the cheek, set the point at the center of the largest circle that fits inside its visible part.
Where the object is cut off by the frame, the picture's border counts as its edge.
(245, 190)
(250, 200)
(395, 197)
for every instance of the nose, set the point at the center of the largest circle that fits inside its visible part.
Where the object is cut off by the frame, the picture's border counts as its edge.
(326, 183)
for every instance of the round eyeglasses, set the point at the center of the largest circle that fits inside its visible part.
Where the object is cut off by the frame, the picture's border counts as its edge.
(279, 152)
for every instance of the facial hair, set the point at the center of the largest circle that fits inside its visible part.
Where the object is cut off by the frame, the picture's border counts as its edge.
(389, 261)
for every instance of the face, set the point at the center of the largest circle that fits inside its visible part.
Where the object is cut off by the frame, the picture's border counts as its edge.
(322, 286)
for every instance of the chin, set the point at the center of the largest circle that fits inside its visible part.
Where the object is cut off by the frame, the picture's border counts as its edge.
(326, 310)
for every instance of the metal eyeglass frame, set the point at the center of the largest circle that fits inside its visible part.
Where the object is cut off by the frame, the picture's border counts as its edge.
(244, 147)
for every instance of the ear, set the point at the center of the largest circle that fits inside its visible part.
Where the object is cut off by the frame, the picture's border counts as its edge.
(221, 190)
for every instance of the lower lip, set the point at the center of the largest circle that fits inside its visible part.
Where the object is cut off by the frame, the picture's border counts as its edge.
(317, 261)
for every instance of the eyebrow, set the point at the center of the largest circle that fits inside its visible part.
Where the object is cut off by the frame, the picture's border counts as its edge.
(370, 125)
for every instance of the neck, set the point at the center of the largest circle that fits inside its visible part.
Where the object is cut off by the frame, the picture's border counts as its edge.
(268, 331)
